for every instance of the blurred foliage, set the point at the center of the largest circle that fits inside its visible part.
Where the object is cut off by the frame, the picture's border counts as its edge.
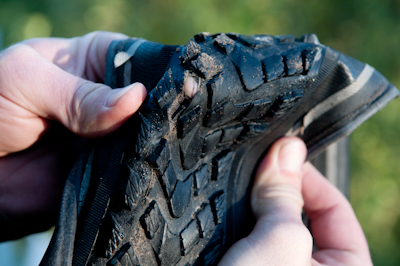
(364, 29)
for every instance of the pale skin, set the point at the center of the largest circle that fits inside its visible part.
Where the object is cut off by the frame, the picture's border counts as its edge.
(49, 82)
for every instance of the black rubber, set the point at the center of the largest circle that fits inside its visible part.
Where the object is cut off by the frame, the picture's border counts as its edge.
(182, 193)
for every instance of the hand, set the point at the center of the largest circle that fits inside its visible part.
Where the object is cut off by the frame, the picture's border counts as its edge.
(284, 184)
(46, 87)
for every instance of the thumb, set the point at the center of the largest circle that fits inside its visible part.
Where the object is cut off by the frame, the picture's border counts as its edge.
(89, 109)
(279, 236)
(96, 110)
(277, 186)
(277, 203)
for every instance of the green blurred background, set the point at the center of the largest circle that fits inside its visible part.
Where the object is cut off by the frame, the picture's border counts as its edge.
(368, 30)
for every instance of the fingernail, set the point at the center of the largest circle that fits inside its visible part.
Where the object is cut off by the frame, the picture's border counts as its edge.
(112, 101)
(190, 87)
(291, 156)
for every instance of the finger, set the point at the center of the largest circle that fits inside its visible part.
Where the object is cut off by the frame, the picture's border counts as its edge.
(333, 222)
(279, 237)
(31, 82)
(84, 56)
(190, 87)
(277, 186)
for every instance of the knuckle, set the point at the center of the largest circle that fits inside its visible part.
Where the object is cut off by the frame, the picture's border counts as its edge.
(87, 100)
(266, 192)
(13, 60)
(16, 52)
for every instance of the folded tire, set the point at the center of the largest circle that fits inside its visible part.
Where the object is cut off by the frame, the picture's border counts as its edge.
(172, 186)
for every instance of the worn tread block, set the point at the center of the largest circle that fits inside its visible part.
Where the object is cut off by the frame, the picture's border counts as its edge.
(207, 66)
(308, 56)
(203, 37)
(205, 220)
(160, 157)
(211, 140)
(130, 197)
(187, 122)
(286, 38)
(259, 109)
(169, 250)
(231, 132)
(252, 130)
(117, 235)
(215, 115)
(138, 182)
(309, 38)
(190, 51)
(284, 102)
(294, 62)
(243, 106)
(238, 37)
(114, 262)
(253, 41)
(181, 197)
(200, 179)
(182, 107)
(273, 67)
(124, 257)
(257, 128)
(152, 220)
(249, 68)
(144, 133)
(168, 180)
(130, 258)
(221, 165)
(218, 206)
(165, 90)
(224, 113)
(218, 91)
(224, 43)
(189, 237)
(263, 40)
(191, 148)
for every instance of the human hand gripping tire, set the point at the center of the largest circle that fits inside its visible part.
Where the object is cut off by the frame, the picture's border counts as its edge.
(46, 83)
(284, 184)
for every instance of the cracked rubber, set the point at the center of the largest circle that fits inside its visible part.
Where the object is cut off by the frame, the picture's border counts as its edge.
(182, 193)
